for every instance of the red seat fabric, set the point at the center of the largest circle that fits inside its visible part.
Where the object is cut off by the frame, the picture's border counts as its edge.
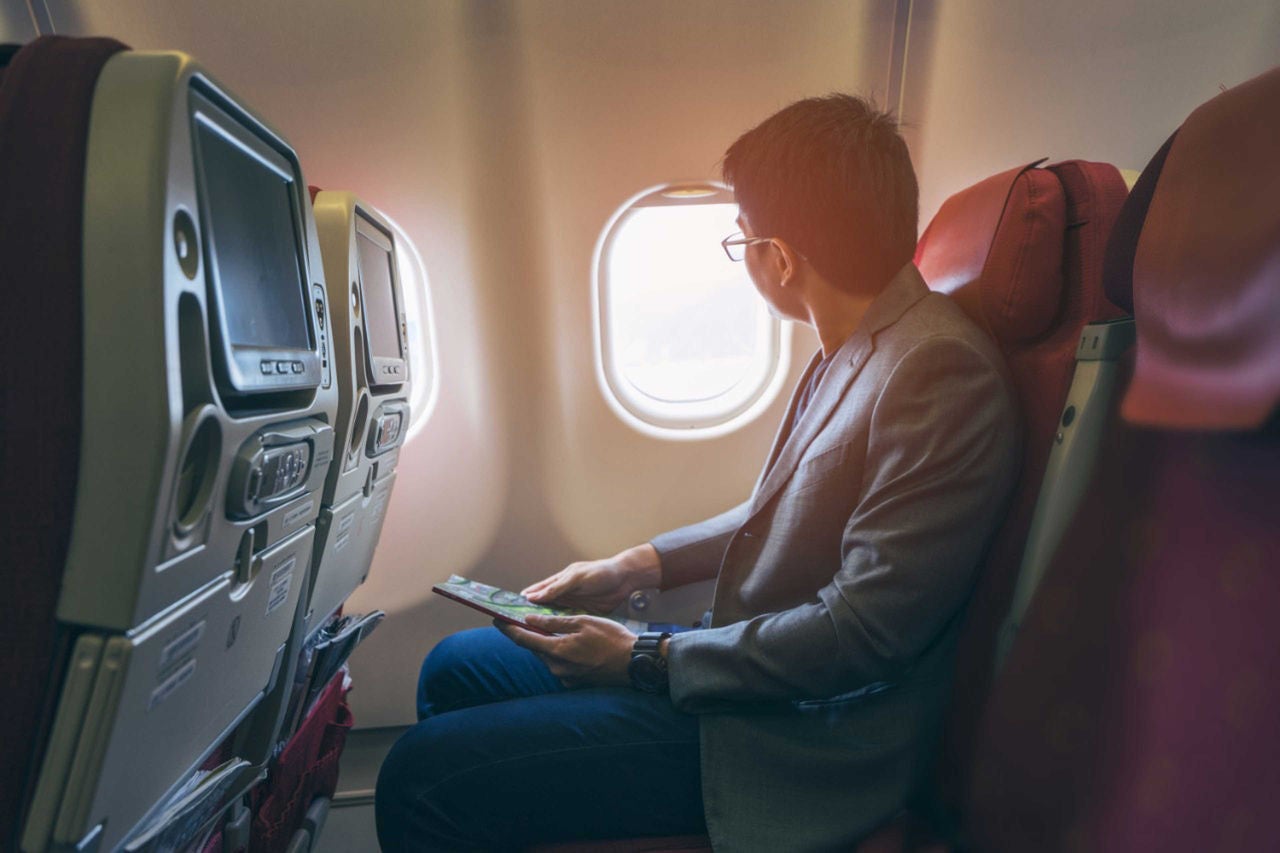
(44, 121)
(1036, 287)
(1136, 711)
(306, 768)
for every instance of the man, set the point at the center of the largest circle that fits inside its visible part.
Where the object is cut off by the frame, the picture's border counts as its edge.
(803, 714)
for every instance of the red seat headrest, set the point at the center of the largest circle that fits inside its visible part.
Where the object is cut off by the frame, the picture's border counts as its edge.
(1206, 274)
(996, 248)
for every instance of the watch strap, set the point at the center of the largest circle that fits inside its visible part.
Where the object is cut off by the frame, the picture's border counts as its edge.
(648, 668)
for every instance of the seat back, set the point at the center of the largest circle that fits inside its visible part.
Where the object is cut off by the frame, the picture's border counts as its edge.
(366, 327)
(161, 582)
(1021, 252)
(373, 372)
(1136, 709)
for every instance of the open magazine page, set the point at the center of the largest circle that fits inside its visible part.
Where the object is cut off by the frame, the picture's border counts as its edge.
(507, 605)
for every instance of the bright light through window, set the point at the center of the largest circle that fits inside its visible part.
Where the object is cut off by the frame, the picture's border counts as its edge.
(422, 340)
(685, 343)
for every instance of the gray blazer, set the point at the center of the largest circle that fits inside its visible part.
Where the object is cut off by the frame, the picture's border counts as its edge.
(841, 582)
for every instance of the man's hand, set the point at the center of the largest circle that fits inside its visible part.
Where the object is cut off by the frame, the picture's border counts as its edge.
(599, 585)
(586, 651)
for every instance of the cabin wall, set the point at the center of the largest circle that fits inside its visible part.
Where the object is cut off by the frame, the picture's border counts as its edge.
(16, 23)
(990, 85)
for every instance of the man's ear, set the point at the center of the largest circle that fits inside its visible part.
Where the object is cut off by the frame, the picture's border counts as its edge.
(786, 263)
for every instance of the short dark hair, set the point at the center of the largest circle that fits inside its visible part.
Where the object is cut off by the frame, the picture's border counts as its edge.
(832, 177)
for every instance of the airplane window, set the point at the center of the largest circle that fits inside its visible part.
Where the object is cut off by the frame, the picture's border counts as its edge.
(422, 338)
(685, 347)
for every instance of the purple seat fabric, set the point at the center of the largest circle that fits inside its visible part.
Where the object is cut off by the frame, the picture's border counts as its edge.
(1137, 708)
(45, 95)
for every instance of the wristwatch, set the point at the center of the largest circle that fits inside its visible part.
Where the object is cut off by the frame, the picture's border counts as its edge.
(648, 668)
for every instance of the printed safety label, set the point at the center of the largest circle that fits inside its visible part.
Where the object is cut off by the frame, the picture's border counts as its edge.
(172, 683)
(281, 580)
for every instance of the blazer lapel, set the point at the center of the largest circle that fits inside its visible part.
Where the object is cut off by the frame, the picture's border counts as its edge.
(788, 421)
(904, 290)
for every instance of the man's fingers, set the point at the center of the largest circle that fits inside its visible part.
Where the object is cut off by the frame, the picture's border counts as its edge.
(531, 640)
(555, 624)
(535, 588)
(547, 592)
(546, 589)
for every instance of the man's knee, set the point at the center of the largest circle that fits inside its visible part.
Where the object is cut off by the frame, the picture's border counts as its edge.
(408, 818)
(439, 679)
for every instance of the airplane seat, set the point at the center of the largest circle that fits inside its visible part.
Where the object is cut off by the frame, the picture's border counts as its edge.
(369, 330)
(1021, 252)
(367, 327)
(41, 203)
(160, 482)
(1136, 709)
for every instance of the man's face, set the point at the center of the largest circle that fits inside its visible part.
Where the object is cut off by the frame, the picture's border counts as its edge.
(764, 273)
(752, 257)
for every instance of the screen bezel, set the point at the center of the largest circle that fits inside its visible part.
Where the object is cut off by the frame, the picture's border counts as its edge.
(381, 370)
(240, 368)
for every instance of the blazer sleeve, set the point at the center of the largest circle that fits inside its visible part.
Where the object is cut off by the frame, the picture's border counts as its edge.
(693, 553)
(941, 458)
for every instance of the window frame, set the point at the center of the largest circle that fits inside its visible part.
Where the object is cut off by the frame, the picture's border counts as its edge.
(424, 381)
(641, 411)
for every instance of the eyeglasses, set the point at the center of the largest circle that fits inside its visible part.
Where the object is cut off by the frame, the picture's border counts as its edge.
(735, 245)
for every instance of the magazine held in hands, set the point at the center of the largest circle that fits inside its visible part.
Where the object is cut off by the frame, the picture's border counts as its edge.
(510, 606)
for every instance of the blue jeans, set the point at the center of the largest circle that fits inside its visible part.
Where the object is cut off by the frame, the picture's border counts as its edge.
(505, 756)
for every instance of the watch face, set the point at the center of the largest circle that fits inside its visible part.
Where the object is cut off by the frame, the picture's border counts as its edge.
(646, 674)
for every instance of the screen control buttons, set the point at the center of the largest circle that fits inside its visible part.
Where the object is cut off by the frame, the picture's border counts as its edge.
(281, 366)
(385, 432)
(268, 476)
(284, 469)
(318, 293)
